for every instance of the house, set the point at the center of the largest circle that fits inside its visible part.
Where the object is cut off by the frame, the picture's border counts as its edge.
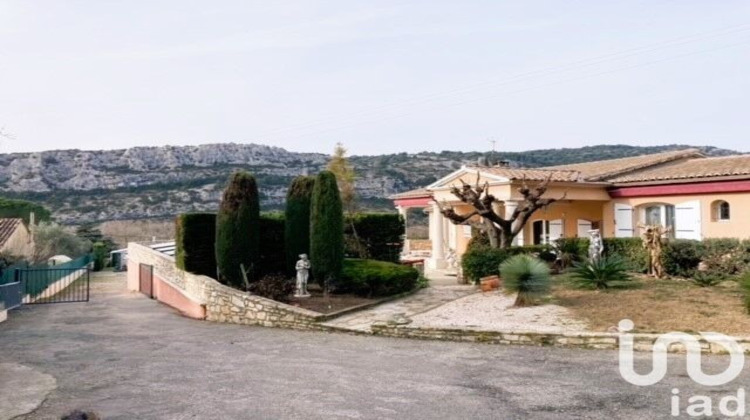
(15, 238)
(695, 195)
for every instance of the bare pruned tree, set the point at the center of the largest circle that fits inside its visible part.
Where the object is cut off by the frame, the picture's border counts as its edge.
(500, 229)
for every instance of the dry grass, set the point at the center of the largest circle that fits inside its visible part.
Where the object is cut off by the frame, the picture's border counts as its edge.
(658, 306)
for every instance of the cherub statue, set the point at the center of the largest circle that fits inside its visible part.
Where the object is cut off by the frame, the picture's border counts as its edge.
(652, 241)
(303, 274)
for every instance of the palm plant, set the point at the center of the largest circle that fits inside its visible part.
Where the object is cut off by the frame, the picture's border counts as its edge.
(601, 272)
(526, 275)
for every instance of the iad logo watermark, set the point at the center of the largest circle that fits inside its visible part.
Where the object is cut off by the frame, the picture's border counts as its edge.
(698, 405)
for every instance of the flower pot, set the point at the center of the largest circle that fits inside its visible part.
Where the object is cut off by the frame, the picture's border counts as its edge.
(489, 283)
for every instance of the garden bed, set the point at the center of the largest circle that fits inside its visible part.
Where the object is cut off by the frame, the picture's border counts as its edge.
(333, 303)
(657, 305)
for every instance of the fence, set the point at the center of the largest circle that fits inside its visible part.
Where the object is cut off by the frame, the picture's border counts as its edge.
(66, 282)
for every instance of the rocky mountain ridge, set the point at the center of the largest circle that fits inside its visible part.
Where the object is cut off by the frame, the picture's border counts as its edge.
(147, 182)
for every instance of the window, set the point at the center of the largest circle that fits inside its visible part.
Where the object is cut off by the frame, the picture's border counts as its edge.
(721, 211)
(659, 215)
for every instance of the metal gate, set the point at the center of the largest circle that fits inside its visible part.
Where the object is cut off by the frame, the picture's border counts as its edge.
(54, 285)
(146, 279)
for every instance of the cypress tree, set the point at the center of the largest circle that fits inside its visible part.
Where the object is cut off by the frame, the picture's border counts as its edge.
(326, 230)
(238, 231)
(297, 218)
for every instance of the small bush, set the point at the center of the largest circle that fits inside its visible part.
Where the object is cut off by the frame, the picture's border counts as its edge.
(571, 250)
(273, 286)
(526, 275)
(634, 256)
(681, 257)
(744, 282)
(376, 278)
(600, 273)
(480, 261)
(708, 278)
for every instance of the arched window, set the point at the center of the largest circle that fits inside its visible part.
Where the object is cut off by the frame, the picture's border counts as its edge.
(721, 210)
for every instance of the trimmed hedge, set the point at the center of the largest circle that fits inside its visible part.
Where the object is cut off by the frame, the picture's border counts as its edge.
(272, 259)
(195, 235)
(630, 250)
(297, 216)
(381, 235)
(238, 231)
(372, 278)
(326, 230)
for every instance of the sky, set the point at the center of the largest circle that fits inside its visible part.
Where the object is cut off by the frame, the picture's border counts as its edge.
(378, 76)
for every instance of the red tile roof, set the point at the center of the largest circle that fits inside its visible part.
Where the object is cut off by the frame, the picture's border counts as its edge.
(7, 228)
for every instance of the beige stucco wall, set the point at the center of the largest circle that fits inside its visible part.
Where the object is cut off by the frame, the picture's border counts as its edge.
(19, 244)
(568, 211)
(737, 227)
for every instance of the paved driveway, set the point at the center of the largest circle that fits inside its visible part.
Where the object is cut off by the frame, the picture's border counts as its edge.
(128, 357)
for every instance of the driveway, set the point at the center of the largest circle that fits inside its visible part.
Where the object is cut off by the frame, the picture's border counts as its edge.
(129, 357)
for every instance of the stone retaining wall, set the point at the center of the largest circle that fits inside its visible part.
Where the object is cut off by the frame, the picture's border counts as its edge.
(220, 303)
(587, 340)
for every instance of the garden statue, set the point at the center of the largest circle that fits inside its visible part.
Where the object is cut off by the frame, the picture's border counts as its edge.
(303, 273)
(596, 246)
(652, 242)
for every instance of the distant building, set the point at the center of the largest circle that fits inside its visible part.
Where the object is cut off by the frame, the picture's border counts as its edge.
(694, 195)
(15, 238)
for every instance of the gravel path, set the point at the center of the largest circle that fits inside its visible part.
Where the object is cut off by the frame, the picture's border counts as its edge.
(495, 311)
(422, 301)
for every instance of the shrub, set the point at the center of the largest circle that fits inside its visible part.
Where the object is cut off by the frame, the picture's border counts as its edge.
(681, 257)
(571, 250)
(376, 278)
(272, 259)
(195, 235)
(238, 230)
(634, 256)
(600, 273)
(381, 236)
(725, 255)
(273, 286)
(744, 282)
(297, 217)
(708, 278)
(527, 276)
(99, 251)
(326, 230)
(480, 261)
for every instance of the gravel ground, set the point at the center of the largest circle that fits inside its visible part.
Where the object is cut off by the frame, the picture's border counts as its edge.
(495, 311)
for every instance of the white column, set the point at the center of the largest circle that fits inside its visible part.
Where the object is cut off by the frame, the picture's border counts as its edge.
(510, 207)
(437, 259)
(402, 211)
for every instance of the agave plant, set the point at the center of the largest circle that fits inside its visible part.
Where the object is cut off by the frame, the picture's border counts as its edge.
(526, 275)
(600, 272)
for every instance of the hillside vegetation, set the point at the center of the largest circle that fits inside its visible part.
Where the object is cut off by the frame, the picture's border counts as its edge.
(152, 182)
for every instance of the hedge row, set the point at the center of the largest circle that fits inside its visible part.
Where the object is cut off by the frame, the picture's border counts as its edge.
(196, 238)
(195, 235)
(722, 257)
(372, 278)
(381, 236)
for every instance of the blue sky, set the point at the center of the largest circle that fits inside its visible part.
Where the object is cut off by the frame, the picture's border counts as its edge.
(378, 76)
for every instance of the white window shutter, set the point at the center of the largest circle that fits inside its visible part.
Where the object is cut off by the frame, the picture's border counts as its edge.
(623, 221)
(555, 230)
(584, 226)
(687, 220)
